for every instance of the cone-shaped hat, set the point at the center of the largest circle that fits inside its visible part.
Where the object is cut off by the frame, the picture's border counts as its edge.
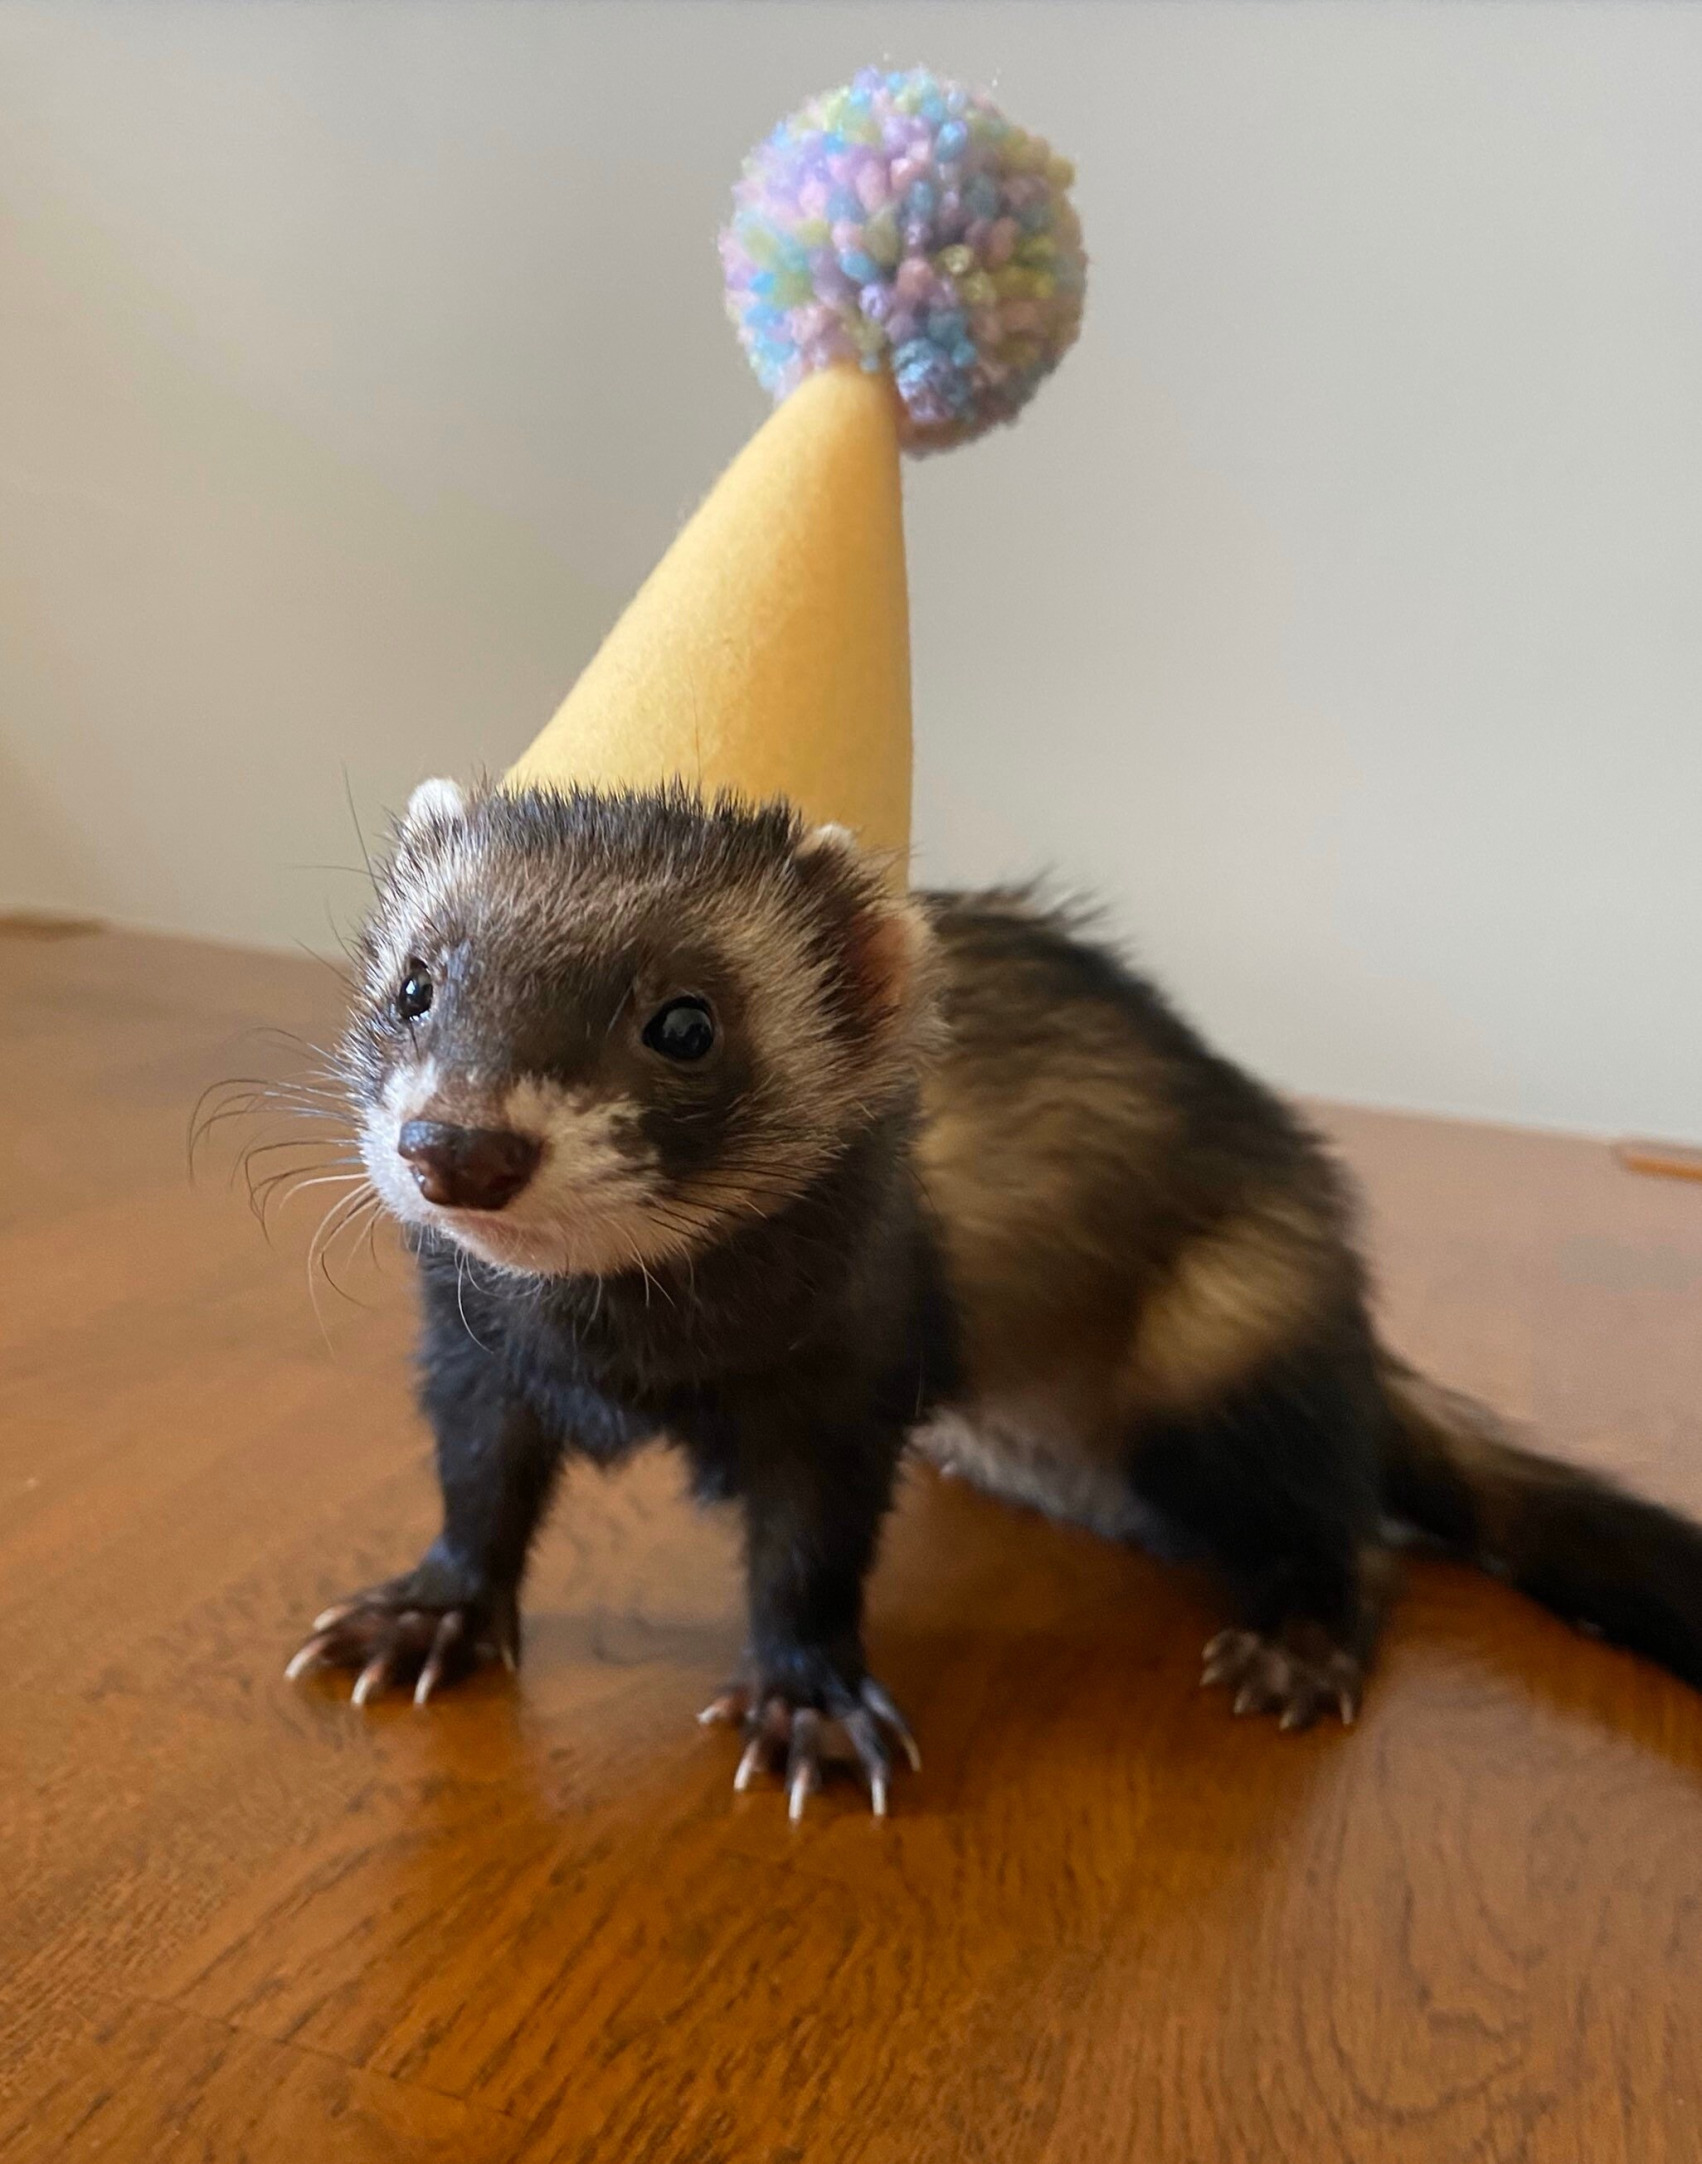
(904, 267)
(769, 650)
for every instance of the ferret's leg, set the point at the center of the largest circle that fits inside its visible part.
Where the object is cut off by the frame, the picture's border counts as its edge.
(459, 1605)
(1279, 1483)
(814, 1492)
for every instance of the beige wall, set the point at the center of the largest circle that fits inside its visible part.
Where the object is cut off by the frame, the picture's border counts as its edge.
(1335, 611)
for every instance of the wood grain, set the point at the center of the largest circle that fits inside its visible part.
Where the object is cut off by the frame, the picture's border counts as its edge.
(1107, 1922)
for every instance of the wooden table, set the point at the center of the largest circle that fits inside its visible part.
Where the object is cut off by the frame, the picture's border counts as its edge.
(1108, 1921)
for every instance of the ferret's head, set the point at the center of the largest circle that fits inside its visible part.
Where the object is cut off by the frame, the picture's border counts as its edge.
(596, 1032)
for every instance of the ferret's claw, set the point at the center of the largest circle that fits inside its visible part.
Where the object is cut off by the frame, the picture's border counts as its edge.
(449, 1628)
(803, 1761)
(372, 1677)
(1297, 1674)
(405, 1633)
(792, 1739)
(1228, 1652)
(728, 1708)
(880, 1704)
(877, 1767)
(310, 1656)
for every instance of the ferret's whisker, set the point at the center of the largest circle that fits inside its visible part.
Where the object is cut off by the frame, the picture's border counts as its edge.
(243, 1167)
(364, 1211)
(460, 1298)
(260, 1196)
(329, 1226)
(246, 1096)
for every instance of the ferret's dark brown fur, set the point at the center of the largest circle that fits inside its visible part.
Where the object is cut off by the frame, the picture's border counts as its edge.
(949, 1173)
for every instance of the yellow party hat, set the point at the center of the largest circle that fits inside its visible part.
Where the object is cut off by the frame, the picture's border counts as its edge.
(768, 652)
(904, 268)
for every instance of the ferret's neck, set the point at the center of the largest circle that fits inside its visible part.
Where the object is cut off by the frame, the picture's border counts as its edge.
(737, 1303)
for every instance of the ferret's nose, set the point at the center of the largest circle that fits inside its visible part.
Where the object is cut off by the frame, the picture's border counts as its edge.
(467, 1168)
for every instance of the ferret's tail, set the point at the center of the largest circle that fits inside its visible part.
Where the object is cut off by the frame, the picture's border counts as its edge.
(1604, 1560)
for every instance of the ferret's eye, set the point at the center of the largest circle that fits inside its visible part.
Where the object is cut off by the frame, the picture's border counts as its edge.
(683, 1030)
(415, 996)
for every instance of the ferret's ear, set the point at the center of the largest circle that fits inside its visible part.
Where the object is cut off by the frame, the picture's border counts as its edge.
(438, 802)
(884, 938)
(823, 840)
(890, 959)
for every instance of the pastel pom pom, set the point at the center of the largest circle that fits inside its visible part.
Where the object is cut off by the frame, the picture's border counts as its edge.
(904, 223)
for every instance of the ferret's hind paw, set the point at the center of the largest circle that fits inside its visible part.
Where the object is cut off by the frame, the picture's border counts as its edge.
(391, 1635)
(1297, 1674)
(797, 1740)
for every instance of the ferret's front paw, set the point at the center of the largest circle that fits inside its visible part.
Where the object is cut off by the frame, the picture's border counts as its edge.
(1297, 1674)
(413, 1630)
(791, 1729)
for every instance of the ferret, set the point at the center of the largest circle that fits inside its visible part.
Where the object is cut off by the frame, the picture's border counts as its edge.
(702, 1131)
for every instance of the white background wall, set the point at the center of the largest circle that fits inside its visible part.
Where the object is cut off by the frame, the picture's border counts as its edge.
(1335, 610)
